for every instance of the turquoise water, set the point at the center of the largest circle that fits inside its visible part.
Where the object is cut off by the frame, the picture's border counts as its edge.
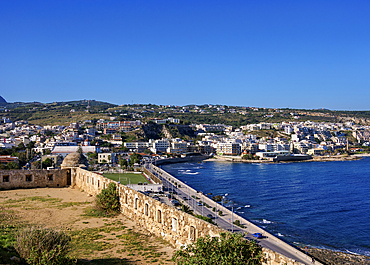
(318, 204)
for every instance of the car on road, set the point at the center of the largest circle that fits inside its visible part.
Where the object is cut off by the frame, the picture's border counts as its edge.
(175, 202)
(258, 235)
(199, 204)
(185, 198)
(157, 198)
(210, 216)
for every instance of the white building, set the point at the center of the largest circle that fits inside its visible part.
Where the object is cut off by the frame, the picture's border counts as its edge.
(228, 149)
(109, 158)
(66, 150)
(159, 145)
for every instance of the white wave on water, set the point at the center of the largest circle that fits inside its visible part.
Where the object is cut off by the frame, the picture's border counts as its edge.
(279, 234)
(190, 173)
(247, 206)
(264, 221)
(187, 172)
(351, 252)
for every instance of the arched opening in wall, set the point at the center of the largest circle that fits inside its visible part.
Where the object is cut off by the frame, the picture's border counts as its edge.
(159, 216)
(174, 224)
(126, 198)
(146, 209)
(192, 233)
(92, 181)
(69, 177)
(136, 202)
(98, 183)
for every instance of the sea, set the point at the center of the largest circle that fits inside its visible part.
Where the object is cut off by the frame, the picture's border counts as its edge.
(315, 204)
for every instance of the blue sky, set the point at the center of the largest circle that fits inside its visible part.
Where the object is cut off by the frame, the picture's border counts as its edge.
(296, 54)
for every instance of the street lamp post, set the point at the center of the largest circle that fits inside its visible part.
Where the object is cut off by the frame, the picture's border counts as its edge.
(202, 205)
(216, 213)
(232, 221)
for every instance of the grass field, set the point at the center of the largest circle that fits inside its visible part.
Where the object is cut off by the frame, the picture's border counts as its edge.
(126, 178)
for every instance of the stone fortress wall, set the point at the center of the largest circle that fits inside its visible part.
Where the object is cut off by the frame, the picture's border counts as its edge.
(176, 227)
(15, 179)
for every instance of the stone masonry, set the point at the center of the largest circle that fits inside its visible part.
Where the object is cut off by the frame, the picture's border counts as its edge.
(176, 227)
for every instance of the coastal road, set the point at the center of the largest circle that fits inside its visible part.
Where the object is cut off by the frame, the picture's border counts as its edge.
(189, 196)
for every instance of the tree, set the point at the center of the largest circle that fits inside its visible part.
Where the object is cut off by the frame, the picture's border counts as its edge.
(227, 249)
(79, 149)
(12, 165)
(21, 146)
(123, 163)
(108, 200)
(135, 158)
(186, 209)
(30, 145)
(47, 163)
(47, 152)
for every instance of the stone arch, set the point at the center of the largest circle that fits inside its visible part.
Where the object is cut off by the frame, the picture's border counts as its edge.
(159, 216)
(175, 224)
(146, 209)
(136, 203)
(192, 233)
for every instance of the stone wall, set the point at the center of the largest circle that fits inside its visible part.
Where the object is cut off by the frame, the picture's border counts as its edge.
(176, 227)
(15, 179)
(151, 176)
(180, 160)
(164, 221)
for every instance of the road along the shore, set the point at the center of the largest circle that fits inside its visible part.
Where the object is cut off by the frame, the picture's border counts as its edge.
(191, 197)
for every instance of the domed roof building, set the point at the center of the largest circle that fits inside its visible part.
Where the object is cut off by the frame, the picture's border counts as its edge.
(74, 160)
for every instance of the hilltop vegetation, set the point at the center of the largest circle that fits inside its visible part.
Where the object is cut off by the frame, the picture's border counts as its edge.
(62, 113)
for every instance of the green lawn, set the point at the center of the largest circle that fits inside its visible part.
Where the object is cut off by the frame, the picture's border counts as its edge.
(126, 177)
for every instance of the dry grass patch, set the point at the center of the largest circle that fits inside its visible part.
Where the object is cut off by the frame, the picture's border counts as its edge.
(95, 240)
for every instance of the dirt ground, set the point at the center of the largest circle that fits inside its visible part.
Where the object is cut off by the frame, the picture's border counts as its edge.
(114, 240)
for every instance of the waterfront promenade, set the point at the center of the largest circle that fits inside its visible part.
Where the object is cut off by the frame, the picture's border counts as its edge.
(196, 200)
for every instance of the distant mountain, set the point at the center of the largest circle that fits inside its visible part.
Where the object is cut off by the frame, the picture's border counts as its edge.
(2, 101)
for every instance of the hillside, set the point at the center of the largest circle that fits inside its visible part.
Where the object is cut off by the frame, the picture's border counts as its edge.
(63, 113)
(2, 101)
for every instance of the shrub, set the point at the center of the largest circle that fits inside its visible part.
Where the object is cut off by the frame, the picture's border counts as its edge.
(205, 218)
(43, 246)
(227, 249)
(108, 200)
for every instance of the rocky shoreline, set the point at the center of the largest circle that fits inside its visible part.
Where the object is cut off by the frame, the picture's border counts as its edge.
(331, 257)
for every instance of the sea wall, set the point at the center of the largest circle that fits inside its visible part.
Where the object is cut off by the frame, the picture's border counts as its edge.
(15, 179)
(180, 160)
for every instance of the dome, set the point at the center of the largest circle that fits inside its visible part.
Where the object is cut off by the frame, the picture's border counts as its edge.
(74, 160)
